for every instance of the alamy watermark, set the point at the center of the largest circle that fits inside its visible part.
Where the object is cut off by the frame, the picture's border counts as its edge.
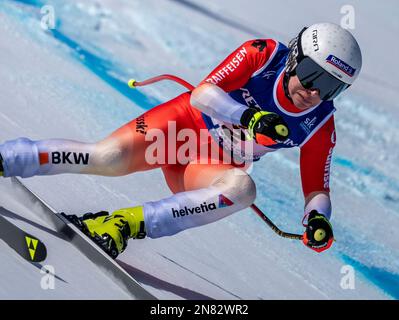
(348, 280)
(47, 281)
(348, 18)
(171, 146)
(47, 21)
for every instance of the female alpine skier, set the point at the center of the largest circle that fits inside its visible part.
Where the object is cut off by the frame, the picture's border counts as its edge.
(264, 96)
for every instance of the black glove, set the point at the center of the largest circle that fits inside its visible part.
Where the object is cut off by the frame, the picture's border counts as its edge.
(318, 235)
(267, 128)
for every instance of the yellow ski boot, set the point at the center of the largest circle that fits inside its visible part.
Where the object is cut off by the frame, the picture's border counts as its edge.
(112, 232)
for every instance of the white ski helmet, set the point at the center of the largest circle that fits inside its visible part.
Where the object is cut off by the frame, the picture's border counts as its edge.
(326, 57)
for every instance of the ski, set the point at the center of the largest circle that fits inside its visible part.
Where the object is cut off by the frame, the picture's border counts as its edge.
(26, 245)
(83, 243)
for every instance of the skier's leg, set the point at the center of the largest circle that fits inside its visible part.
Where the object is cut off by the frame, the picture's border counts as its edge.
(209, 193)
(212, 192)
(123, 152)
(26, 158)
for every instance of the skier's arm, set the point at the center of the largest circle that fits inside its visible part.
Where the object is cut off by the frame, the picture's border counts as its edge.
(315, 161)
(216, 103)
(320, 201)
(211, 97)
(315, 171)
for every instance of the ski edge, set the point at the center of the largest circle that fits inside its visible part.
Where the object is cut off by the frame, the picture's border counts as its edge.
(83, 244)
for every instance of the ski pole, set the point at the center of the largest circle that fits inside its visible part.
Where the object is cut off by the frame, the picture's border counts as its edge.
(134, 84)
(273, 226)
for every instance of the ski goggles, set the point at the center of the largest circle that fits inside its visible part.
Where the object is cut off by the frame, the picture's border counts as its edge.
(312, 76)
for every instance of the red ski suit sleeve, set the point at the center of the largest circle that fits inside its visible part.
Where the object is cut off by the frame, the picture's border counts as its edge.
(235, 71)
(315, 159)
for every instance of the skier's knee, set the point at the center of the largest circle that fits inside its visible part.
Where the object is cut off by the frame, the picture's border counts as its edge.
(108, 158)
(239, 185)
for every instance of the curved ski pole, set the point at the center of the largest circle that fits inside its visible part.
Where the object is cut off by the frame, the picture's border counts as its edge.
(134, 84)
(274, 227)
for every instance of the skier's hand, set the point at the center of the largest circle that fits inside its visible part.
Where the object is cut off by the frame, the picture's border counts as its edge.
(318, 235)
(267, 128)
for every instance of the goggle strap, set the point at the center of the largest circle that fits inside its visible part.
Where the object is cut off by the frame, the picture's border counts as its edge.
(299, 45)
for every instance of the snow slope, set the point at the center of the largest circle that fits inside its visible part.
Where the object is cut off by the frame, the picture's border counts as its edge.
(70, 83)
(75, 275)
